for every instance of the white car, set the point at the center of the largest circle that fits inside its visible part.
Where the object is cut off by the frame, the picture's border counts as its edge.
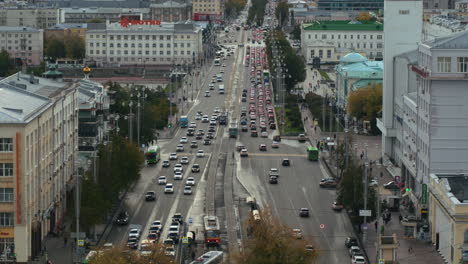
(179, 148)
(207, 94)
(213, 122)
(211, 86)
(178, 175)
(173, 156)
(134, 233)
(183, 140)
(358, 260)
(214, 116)
(192, 125)
(188, 190)
(190, 181)
(205, 119)
(198, 117)
(184, 160)
(200, 153)
(373, 183)
(157, 223)
(178, 167)
(217, 109)
(162, 180)
(169, 251)
(169, 188)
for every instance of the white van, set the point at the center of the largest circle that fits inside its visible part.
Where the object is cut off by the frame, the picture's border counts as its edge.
(221, 89)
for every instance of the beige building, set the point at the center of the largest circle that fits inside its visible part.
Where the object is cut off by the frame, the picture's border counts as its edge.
(24, 44)
(171, 11)
(38, 142)
(144, 44)
(448, 210)
(204, 10)
(35, 18)
(60, 31)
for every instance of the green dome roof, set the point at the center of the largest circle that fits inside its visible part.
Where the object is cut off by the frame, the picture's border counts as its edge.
(352, 58)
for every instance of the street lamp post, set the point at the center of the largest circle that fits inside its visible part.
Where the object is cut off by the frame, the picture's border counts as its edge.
(366, 182)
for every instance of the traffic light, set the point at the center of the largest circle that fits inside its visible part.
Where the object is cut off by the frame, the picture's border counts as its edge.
(407, 189)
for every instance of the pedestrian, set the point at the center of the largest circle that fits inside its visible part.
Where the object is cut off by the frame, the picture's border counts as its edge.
(376, 224)
(65, 239)
(381, 174)
(362, 155)
(410, 249)
(315, 129)
(400, 217)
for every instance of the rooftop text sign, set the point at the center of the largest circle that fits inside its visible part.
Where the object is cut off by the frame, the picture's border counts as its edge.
(125, 22)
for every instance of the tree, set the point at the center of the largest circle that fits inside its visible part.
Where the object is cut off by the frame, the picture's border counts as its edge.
(55, 48)
(233, 7)
(6, 63)
(282, 12)
(296, 33)
(365, 103)
(364, 17)
(38, 70)
(271, 242)
(120, 255)
(75, 47)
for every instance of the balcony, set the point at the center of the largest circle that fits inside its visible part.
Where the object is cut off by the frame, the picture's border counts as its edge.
(429, 75)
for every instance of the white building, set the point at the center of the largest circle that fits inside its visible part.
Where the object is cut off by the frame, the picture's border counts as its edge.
(113, 14)
(40, 18)
(24, 44)
(38, 136)
(144, 44)
(330, 40)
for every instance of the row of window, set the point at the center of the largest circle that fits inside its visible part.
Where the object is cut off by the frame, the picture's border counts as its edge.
(345, 36)
(133, 59)
(19, 48)
(329, 54)
(133, 52)
(17, 35)
(358, 45)
(6, 144)
(16, 41)
(444, 64)
(140, 45)
(139, 37)
(6, 195)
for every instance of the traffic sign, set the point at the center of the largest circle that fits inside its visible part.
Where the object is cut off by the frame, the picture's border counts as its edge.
(322, 226)
(190, 220)
(381, 261)
(80, 242)
(365, 212)
(185, 240)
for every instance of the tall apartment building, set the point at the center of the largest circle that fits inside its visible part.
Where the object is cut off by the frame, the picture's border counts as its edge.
(204, 10)
(144, 44)
(38, 142)
(24, 44)
(331, 40)
(171, 11)
(40, 18)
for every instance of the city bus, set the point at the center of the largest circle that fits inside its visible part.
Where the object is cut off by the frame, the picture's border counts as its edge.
(312, 153)
(212, 230)
(153, 154)
(184, 121)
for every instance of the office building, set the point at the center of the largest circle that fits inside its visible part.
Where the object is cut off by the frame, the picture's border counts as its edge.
(171, 11)
(208, 10)
(112, 14)
(40, 18)
(24, 44)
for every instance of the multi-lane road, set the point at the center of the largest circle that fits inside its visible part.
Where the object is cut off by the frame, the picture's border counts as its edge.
(298, 184)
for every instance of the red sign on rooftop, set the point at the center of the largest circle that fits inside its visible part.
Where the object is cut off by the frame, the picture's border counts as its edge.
(125, 22)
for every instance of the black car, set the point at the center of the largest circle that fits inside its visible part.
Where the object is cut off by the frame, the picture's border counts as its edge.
(150, 196)
(350, 242)
(254, 133)
(286, 162)
(273, 179)
(199, 137)
(391, 185)
(304, 212)
(190, 133)
(122, 218)
(178, 217)
(207, 142)
(195, 168)
(174, 236)
(244, 129)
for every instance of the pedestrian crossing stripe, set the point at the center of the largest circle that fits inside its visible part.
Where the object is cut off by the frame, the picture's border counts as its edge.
(276, 155)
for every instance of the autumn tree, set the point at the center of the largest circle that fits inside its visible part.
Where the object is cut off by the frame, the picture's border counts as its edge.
(6, 63)
(271, 242)
(366, 102)
(233, 7)
(74, 47)
(55, 48)
(282, 12)
(364, 17)
(120, 255)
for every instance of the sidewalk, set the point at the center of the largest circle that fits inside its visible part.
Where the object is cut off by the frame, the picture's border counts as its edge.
(422, 252)
(57, 251)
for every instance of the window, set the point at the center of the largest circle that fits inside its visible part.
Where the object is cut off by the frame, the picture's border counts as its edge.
(154, 45)
(6, 195)
(154, 37)
(339, 36)
(188, 45)
(133, 52)
(125, 37)
(132, 37)
(126, 52)
(118, 45)
(133, 45)
(91, 44)
(139, 45)
(168, 37)
(139, 52)
(175, 45)
(379, 36)
(147, 37)
(6, 144)
(147, 45)
(168, 45)
(6, 169)
(465, 237)
(140, 37)
(6, 219)
(312, 53)
(324, 36)
(345, 36)
(328, 53)
(161, 37)
(443, 64)
(403, 12)
(351, 36)
(309, 36)
(462, 65)
(371, 36)
(181, 45)
(379, 45)
(161, 52)
(111, 45)
(91, 52)
(364, 36)
(125, 45)
(111, 37)
(161, 45)
(320, 53)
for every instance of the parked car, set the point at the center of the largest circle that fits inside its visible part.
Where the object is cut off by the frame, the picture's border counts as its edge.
(391, 185)
(350, 241)
(329, 183)
(337, 207)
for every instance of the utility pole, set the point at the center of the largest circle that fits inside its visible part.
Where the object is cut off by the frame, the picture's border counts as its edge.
(346, 130)
(323, 113)
(77, 210)
(138, 120)
(130, 122)
(366, 164)
(331, 114)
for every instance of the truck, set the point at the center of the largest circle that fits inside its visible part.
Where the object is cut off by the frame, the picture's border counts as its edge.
(184, 121)
(233, 129)
(221, 89)
(222, 118)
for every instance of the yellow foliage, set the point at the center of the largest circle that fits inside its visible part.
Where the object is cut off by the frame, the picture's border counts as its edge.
(365, 102)
(364, 16)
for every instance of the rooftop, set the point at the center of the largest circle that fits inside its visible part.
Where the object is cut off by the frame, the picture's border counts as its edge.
(40, 86)
(187, 26)
(18, 29)
(454, 41)
(68, 26)
(362, 70)
(456, 185)
(169, 3)
(344, 26)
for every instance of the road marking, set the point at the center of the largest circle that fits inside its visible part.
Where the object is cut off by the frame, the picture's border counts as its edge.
(277, 155)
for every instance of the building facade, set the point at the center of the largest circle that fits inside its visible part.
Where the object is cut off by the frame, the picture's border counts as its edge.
(330, 40)
(144, 44)
(61, 31)
(171, 11)
(448, 208)
(24, 44)
(38, 139)
(354, 72)
(208, 10)
(40, 18)
(83, 15)
(370, 5)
